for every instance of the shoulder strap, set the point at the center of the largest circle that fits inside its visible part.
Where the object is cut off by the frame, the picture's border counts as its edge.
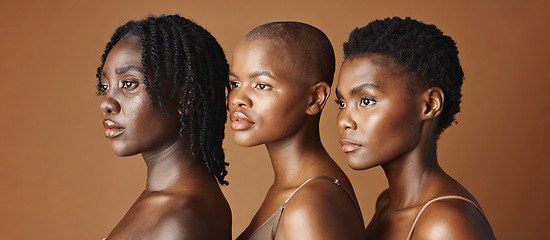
(309, 180)
(334, 180)
(438, 199)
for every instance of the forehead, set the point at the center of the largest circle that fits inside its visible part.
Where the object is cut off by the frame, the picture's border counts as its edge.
(125, 52)
(358, 71)
(264, 55)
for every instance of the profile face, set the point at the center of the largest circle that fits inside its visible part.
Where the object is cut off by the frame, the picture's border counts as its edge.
(132, 123)
(267, 102)
(379, 118)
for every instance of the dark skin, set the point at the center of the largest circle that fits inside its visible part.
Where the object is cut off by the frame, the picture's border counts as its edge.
(271, 103)
(384, 123)
(181, 199)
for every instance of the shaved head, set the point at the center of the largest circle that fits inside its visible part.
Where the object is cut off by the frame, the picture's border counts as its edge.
(309, 48)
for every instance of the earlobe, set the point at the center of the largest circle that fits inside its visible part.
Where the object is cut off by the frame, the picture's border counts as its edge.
(433, 102)
(319, 96)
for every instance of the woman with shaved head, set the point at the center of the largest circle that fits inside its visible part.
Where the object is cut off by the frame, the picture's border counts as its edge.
(280, 81)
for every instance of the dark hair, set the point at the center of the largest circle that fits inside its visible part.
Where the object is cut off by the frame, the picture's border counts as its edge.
(422, 50)
(184, 58)
(312, 51)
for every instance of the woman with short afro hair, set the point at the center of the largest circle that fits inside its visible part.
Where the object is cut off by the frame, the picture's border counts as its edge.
(399, 88)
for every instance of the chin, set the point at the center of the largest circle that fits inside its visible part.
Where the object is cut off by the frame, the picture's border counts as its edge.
(244, 140)
(246, 143)
(357, 162)
(122, 151)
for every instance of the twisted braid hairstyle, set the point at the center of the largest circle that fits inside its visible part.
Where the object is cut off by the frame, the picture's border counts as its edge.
(419, 49)
(182, 59)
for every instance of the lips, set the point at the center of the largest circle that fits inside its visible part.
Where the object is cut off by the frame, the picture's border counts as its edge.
(349, 146)
(240, 122)
(112, 129)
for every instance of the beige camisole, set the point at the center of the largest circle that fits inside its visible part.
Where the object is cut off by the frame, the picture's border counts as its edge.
(268, 229)
(438, 199)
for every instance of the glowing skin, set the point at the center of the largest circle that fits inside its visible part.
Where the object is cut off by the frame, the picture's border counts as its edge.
(378, 118)
(384, 123)
(131, 122)
(182, 200)
(275, 102)
(264, 96)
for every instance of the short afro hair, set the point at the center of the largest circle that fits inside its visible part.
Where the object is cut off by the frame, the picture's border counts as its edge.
(420, 49)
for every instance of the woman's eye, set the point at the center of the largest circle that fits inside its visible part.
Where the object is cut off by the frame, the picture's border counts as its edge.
(102, 89)
(129, 84)
(366, 102)
(262, 86)
(234, 84)
(341, 104)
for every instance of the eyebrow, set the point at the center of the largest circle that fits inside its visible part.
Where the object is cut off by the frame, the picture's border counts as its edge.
(261, 73)
(338, 94)
(254, 74)
(357, 89)
(126, 69)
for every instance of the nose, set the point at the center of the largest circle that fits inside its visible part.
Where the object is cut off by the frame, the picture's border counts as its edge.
(345, 120)
(239, 97)
(109, 104)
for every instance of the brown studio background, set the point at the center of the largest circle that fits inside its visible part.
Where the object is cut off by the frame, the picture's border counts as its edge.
(60, 180)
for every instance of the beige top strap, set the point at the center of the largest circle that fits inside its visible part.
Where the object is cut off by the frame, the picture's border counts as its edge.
(269, 228)
(335, 181)
(438, 199)
(309, 180)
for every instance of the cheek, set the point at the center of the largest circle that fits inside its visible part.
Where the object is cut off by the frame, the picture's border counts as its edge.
(393, 133)
(154, 126)
(340, 122)
(231, 99)
(285, 115)
(396, 117)
(404, 121)
(280, 116)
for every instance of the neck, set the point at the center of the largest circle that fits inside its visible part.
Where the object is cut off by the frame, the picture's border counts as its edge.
(172, 168)
(408, 176)
(294, 157)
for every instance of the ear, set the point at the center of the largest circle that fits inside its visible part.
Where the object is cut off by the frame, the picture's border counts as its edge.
(433, 99)
(318, 98)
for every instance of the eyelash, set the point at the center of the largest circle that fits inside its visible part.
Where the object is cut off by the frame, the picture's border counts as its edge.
(132, 84)
(102, 88)
(342, 104)
(234, 84)
(339, 103)
(370, 102)
(262, 86)
(259, 86)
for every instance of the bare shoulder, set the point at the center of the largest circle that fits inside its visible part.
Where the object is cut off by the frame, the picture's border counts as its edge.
(452, 219)
(320, 210)
(191, 217)
(157, 215)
